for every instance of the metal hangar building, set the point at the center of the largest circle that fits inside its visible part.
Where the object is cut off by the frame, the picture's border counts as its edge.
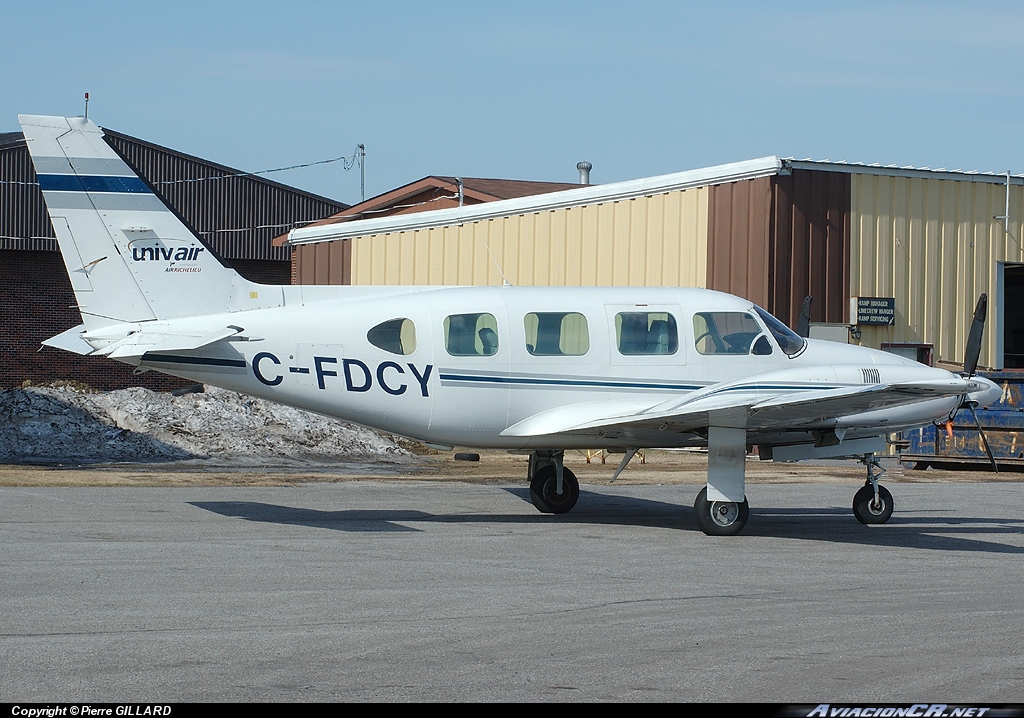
(922, 244)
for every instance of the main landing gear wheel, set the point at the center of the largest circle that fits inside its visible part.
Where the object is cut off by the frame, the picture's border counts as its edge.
(868, 510)
(544, 491)
(720, 518)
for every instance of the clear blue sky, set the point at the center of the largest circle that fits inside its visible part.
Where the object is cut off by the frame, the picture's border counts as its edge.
(524, 90)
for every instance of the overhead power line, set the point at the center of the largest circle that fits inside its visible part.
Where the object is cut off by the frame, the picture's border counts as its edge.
(349, 161)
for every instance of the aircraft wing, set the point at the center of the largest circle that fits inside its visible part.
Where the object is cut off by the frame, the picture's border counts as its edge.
(765, 408)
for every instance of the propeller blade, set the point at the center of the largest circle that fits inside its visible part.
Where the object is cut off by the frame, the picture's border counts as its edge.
(984, 439)
(803, 324)
(973, 350)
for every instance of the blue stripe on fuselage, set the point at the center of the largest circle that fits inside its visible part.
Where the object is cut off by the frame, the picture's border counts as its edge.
(447, 375)
(92, 183)
(531, 381)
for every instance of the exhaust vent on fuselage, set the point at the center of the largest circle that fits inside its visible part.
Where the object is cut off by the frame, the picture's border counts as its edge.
(871, 376)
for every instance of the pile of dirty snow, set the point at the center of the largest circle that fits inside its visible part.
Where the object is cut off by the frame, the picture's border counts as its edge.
(67, 425)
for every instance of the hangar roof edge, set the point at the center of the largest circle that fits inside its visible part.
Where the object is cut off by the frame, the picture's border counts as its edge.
(588, 194)
(616, 191)
(901, 171)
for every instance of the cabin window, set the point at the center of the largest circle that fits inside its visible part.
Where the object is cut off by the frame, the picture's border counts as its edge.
(729, 333)
(397, 336)
(557, 334)
(471, 334)
(646, 333)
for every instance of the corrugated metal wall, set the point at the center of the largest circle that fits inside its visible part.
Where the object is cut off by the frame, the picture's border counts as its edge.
(934, 245)
(648, 241)
(323, 263)
(738, 239)
(773, 240)
(810, 247)
(237, 216)
(24, 223)
(776, 240)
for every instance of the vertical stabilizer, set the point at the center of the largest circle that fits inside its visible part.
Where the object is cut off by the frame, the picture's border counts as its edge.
(130, 259)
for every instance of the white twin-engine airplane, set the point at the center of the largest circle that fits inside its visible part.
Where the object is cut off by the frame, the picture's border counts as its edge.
(527, 369)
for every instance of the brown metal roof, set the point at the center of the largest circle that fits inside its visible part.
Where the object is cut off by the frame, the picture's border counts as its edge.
(509, 189)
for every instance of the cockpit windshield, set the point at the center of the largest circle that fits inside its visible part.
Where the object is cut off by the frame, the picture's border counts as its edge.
(789, 341)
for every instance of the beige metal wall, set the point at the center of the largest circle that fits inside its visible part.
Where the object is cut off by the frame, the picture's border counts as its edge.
(647, 241)
(934, 245)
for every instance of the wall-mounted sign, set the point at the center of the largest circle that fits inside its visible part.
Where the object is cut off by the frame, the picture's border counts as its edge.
(873, 310)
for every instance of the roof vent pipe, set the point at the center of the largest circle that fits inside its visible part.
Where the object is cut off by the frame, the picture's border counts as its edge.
(584, 168)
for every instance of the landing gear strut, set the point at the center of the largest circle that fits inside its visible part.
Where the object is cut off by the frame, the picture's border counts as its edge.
(873, 503)
(727, 511)
(553, 488)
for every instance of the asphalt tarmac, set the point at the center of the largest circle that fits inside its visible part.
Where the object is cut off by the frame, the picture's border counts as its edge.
(411, 590)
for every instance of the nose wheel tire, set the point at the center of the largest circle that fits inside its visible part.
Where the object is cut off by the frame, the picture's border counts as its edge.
(544, 491)
(720, 518)
(868, 510)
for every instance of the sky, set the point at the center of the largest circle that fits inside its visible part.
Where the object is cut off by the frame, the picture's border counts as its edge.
(525, 90)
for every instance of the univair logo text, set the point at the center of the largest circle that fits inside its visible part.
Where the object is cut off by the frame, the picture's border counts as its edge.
(178, 259)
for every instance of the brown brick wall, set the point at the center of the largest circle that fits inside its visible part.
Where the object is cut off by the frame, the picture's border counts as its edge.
(36, 303)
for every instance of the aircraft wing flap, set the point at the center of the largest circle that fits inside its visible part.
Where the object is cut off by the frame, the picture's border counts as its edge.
(564, 419)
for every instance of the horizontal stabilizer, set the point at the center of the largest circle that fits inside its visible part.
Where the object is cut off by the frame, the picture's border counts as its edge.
(71, 341)
(138, 343)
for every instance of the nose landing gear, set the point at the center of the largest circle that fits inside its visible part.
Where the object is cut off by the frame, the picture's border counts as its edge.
(873, 503)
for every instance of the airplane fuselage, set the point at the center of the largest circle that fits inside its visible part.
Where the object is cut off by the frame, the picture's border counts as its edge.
(417, 377)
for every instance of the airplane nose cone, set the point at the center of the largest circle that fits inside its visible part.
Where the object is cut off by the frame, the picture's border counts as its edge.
(989, 393)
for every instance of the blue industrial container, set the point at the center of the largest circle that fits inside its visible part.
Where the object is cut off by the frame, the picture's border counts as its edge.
(958, 444)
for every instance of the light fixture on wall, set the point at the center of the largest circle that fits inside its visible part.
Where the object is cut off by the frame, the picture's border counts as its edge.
(855, 332)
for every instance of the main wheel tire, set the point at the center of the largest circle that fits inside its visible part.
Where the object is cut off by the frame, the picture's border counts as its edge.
(720, 518)
(869, 512)
(543, 491)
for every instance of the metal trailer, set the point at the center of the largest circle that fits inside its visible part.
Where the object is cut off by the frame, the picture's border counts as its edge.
(958, 444)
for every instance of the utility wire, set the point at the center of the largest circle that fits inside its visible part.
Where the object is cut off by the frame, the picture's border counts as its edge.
(293, 223)
(348, 162)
